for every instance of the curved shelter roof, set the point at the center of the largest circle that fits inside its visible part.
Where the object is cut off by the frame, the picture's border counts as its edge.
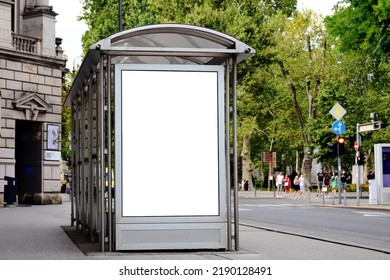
(161, 44)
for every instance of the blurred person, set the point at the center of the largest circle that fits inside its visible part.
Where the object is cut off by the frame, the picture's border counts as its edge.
(344, 180)
(320, 181)
(287, 185)
(325, 186)
(335, 183)
(301, 186)
(279, 184)
(296, 186)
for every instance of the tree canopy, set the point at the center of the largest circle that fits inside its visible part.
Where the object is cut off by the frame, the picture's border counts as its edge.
(302, 67)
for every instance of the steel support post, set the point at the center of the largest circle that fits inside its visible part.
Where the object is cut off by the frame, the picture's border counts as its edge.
(77, 164)
(91, 220)
(227, 154)
(101, 156)
(235, 156)
(109, 156)
(73, 152)
(82, 162)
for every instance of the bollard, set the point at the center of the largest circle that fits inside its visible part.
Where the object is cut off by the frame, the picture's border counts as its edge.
(10, 192)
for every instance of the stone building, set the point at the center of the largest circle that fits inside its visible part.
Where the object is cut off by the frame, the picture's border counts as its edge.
(31, 72)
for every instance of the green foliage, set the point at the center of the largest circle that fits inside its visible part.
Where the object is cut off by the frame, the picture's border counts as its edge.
(66, 123)
(348, 63)
(102, 17)
(352, 188)
(362, 25)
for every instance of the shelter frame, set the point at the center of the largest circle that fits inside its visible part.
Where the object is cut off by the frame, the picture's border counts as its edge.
(92, 98)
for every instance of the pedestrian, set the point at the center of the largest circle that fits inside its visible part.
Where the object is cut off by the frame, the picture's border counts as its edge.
(320, 181)
(246, 185)
(301, 186)
(325, 186)
(296, 187)
(279, 184)
(344, 179)
(287, 185)
(349, 177)
(370, 176)
(335, 183)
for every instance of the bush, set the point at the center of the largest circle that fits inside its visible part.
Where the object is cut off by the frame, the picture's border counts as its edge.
(352, 187)
(258, 184)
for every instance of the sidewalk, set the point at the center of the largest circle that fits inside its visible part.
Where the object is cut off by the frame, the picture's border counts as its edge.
(43, 232)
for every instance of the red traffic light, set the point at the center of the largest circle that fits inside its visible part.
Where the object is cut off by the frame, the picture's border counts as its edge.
(341, 140)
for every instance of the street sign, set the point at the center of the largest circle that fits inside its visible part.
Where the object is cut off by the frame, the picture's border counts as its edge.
(369, 127)
(269, 157)
(338, 127)
(337, 111)
(356, 146)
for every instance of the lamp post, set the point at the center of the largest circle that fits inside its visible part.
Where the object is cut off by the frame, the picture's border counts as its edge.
(284, 164)
(120, 16)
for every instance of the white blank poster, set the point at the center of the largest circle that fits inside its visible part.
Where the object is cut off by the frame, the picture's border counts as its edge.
(169, 143)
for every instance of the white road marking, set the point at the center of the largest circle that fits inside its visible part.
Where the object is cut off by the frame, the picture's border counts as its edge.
(374, 214)
(250, 207)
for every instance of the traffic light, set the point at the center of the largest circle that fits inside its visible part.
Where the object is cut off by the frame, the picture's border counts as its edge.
(361, 160)
(341, 143)
(332, 148)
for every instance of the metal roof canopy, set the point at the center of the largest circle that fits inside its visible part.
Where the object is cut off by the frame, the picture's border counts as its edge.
(90, 98)
(161, 44)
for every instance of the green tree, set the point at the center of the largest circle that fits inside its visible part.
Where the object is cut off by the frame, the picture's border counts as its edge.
(66, 123)
(362, 25)
(363, 30)
(102, 17)
(304, 57)
(243, 19)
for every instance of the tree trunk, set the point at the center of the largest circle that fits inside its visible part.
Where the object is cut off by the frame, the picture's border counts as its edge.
(246, 160)
(307, 163)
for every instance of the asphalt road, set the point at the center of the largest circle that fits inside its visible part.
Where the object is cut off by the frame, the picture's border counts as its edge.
(368, 229)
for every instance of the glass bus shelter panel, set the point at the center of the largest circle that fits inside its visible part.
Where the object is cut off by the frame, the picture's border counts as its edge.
(167, 40)
(171, 156)
(160, 60)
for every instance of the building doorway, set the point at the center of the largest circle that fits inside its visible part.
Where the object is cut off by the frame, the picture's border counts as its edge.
(28, 155)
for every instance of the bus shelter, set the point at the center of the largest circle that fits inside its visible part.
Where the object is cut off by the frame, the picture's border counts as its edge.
(154, 139)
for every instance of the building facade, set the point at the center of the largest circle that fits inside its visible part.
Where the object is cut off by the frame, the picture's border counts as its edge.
(31, 72)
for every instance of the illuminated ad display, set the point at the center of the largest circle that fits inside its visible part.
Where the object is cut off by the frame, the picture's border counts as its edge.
(171, 128)
(386, 166)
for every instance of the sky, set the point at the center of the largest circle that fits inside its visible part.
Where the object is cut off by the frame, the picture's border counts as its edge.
(70, 29)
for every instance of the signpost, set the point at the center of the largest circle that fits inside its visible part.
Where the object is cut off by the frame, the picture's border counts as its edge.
(361, 128)
(337, 111)
(270, 157)
(356, 146)
(338, 128)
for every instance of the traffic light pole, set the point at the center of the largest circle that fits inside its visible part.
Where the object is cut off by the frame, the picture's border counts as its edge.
(339, 170)
(357, 165)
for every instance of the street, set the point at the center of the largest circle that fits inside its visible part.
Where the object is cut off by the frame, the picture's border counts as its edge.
(359, 228)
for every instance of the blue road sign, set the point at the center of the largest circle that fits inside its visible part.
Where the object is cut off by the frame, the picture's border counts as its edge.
(338, 127)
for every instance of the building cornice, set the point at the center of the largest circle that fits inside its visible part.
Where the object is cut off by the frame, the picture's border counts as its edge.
(6, 2)
(28, 57)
